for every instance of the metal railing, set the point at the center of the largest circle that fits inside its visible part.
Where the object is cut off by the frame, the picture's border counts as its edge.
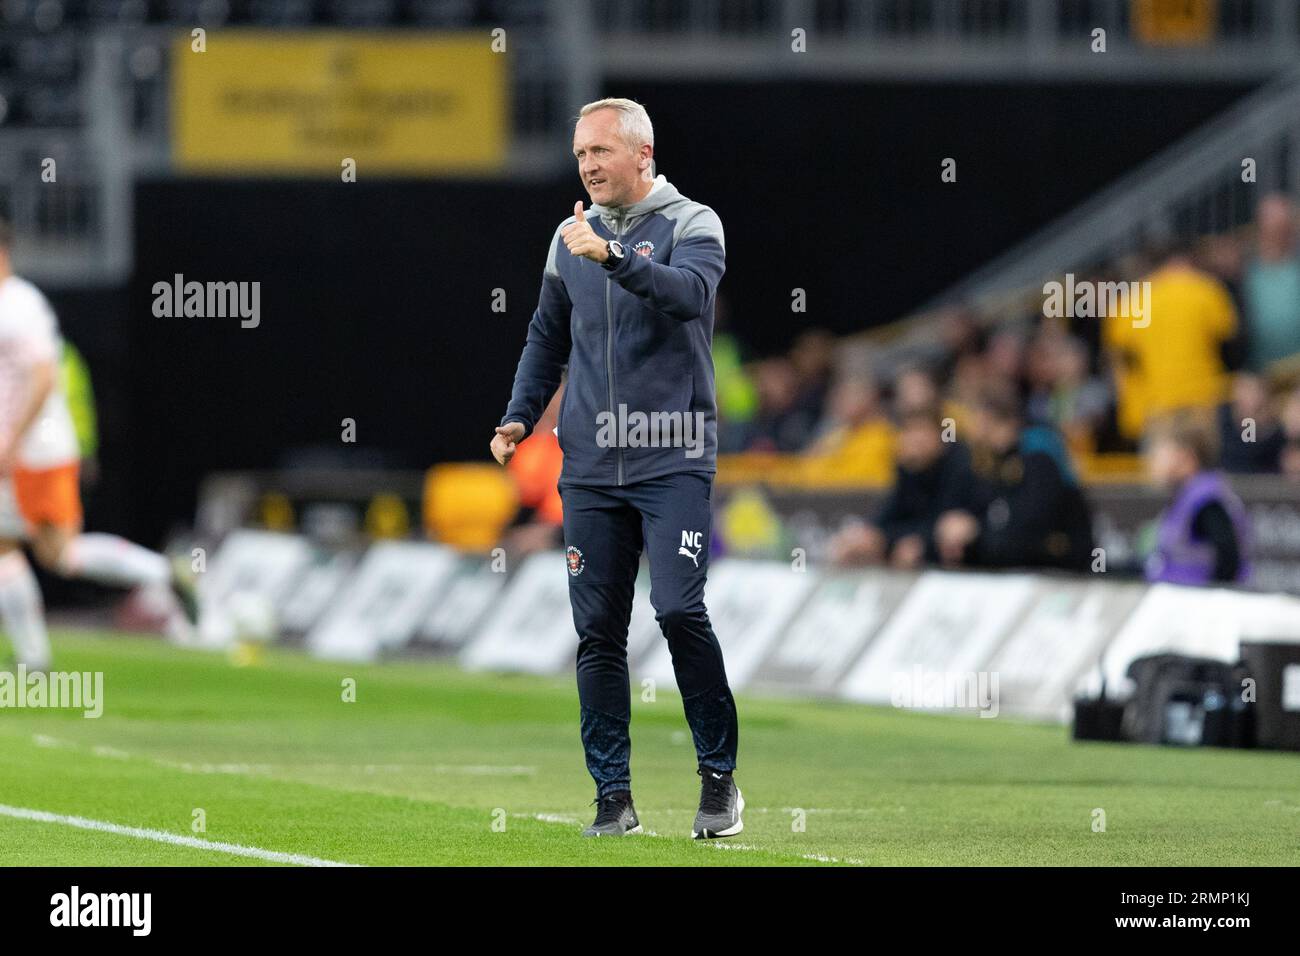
(938, 39)
(1194, 187)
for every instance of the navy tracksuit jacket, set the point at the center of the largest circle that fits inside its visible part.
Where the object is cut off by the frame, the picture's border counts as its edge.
(638, 428)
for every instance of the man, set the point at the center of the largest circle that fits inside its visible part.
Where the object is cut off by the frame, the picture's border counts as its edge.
(40, 499)
(1253, 452)
(1272, 285)
(1030, 511)
(1201, 537)
(1174, 356)
(857, 439)
(932, 477)
(627, 302)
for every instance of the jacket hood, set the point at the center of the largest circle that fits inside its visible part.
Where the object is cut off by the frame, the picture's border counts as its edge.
(661, 194)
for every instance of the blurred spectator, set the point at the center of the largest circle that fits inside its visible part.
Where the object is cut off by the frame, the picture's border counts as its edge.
(1272, 285)
(1029, 510)
(959, 336)
(968, 382)
(933, 476)
(1224, 257)
(914, 387)
(1290, 415)
(1289, 460)
(1202, 535)
(737, 395)
(812, 357)
(1004, 360)
(1170, 358)
(1250, 436)
(1041, 367)
(1067, 396)
(1089, 328)
(856, 441)
(781, 423)
(535, 472)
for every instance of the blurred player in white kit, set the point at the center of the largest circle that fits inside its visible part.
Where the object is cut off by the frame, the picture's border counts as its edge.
(40, 495)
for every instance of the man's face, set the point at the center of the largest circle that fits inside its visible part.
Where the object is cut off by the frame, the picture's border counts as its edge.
(997, 434)
(608, 166)
(1168, 464)
(915, 390)
(919, 444)
(1249, 396)
(1276, 221)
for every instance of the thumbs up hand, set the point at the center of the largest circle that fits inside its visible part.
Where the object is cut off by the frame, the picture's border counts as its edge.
(581, 239)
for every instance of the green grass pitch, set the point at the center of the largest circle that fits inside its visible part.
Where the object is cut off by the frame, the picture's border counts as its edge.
(432, 765)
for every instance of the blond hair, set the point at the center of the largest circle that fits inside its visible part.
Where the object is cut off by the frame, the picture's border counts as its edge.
(634, 124)
(1190, 429)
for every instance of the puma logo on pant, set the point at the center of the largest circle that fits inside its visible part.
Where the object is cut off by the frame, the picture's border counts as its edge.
(692, 539)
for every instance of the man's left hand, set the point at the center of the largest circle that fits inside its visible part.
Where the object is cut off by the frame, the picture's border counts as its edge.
(953, 532)
(582, 239)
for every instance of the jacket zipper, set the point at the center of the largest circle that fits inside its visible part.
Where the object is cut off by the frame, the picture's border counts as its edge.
(609, 357)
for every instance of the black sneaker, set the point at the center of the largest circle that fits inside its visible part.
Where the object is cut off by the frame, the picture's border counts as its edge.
(720, 806)
(615, 816)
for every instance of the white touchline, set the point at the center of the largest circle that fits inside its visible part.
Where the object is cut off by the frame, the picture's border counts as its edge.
(162, 836)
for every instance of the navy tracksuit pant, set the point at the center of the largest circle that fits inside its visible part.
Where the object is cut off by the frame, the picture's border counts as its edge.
(605, 531)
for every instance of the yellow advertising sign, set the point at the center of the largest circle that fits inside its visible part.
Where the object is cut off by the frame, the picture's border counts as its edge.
(1174, 22)
(303, 103)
